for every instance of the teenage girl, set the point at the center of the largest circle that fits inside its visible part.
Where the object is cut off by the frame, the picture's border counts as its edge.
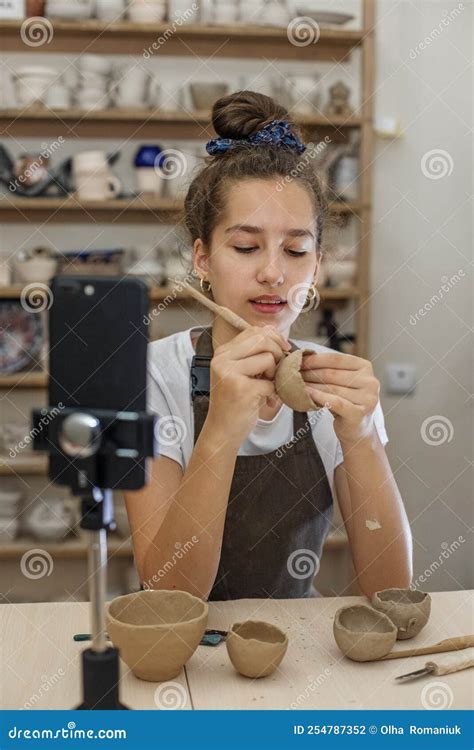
(240, 500)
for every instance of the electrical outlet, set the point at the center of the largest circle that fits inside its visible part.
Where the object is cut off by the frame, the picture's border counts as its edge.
(401, 377)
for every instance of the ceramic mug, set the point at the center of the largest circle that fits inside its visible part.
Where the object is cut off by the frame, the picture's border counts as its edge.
(97, 186)
(58, 97)
(132, 88)
(149, 180)
(88, 161)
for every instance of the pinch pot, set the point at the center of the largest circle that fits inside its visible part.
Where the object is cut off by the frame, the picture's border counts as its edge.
(362, 633)
(256, 648)
(409, 610)
(289, 383)
(157, 631)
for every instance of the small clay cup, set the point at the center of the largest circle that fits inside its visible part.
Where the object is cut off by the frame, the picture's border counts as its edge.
(408, 610)
(289, 383)
(362, 633)
(156, 631)
(256, 648)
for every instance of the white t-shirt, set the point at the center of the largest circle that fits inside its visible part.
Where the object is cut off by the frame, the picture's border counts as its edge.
(169, 397)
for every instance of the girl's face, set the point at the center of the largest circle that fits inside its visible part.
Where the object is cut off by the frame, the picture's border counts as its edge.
(264, 245)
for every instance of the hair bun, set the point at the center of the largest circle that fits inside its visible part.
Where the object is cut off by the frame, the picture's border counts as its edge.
(242, 113)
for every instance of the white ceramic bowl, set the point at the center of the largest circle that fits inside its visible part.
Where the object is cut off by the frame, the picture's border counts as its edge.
(38, 270)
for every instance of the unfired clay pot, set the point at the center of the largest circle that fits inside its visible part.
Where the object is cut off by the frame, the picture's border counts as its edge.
(156, 631)
(362, 633)
(289, 383)
(408, 610)
(256, 648)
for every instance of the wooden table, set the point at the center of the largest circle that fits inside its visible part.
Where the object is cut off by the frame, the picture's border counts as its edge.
(41, 662)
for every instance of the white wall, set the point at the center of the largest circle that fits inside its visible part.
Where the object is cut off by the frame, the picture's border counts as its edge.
(423, 232)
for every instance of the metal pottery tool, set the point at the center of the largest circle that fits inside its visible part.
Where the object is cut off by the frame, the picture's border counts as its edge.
(444, 665)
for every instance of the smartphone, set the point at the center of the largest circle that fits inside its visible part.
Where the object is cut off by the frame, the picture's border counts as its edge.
(98, 338)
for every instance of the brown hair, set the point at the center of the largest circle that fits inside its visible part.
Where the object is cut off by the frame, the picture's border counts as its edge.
(237, 116)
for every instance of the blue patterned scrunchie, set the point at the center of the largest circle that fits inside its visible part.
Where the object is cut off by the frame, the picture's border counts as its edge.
(277, 132)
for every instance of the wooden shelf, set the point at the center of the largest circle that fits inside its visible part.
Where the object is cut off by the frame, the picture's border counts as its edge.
(123, 38)
(138, 123)
(33, 464)
(25, 379)
(73, 548)
(76, 548)
(121, 210)
(159, 293)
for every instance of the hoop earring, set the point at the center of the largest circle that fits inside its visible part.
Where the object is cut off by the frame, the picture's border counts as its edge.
(202, 288)
(314, 292)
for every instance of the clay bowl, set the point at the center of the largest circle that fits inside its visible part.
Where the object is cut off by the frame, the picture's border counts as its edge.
(289, 383)
(408, 610)
(362, 633)
(256, 648)
(156, 631)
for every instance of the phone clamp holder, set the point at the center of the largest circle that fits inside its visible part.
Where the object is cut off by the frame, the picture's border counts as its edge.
(91, 440)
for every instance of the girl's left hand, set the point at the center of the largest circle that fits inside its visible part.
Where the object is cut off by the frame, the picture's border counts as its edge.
(347, 386)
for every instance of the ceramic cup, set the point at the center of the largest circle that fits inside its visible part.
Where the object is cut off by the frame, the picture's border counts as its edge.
(146, 11)
(109, 10)
(88, 161)
(134, 88)
(31, 82)
(58, 97)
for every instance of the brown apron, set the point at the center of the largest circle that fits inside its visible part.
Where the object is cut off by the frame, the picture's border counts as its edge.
(278, 514)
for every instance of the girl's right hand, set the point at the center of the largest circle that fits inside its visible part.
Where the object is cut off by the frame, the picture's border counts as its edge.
(241, 378)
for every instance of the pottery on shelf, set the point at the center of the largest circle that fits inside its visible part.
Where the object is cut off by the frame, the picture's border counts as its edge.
(408, 610)
(289, 383)
(157, 631)
(205, 94)
(363, 633)
(256, 648)
(49, 520)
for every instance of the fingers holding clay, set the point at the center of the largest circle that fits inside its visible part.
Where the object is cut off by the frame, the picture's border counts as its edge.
(289, 382)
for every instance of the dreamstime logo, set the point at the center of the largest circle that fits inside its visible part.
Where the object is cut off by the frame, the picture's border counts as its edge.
(181, 18)
(170, 696)
(313, 684)
(179, 286)
(313, 150)
(36, 297)
(436, 164)
(447, 285)
(437, 430)
(47, 683)
(47, 149)
(303, 31)
(36, 563)
(300, 432)
(180, 551)
(303, 563)
(174, 164)
(436, 32)
(448, 550)
(437, 696)
(299, 301)
(170, 430)
(47, 417)
(36, 31)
